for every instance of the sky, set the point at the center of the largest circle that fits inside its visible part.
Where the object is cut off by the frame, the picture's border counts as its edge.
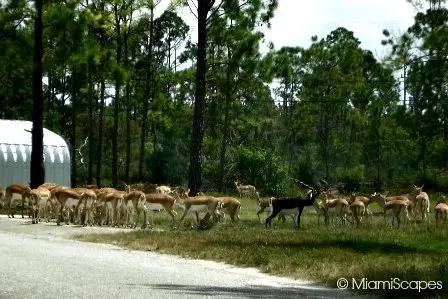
(296, 21)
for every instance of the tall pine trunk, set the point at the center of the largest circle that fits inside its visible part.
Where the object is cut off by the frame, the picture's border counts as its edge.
(90, 132)
(195, 168)
(128, 106)
(74, 98)
(226, 128)
(147, 95)
(100, 134)
(116, 103)
(37, 143)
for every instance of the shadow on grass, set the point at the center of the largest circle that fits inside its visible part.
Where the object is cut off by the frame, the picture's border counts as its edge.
(359, 246)
(256, 292)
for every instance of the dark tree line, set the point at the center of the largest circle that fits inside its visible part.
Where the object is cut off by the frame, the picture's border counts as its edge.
(153, 106)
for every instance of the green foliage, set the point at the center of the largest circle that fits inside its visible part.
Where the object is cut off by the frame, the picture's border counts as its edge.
(334, 111)
(260, 168)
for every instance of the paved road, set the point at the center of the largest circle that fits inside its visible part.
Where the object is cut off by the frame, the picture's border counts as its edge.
(38, 261)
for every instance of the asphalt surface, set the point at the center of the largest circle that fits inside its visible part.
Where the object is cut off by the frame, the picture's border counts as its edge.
(40, 261)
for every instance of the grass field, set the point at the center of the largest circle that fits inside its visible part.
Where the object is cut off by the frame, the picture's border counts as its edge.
(418, 251)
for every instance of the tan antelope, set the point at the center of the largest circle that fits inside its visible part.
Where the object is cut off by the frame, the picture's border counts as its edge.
(441, 212)
(155, 201)
(320, 211)
(132, 201)
(134, 187)
(358, 209)
(38, 202)
(101, 209)
(197, 204)
(230, 206)
(111, 202)
(48, 185)
(336, 207)
(421, 202)
(163, 189)
(68, 200)
(367, 201)
(14, 194)
(86, 205)
(248, 190)
(394, 207)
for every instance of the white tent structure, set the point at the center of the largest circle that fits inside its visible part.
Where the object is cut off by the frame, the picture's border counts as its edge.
(15, 154)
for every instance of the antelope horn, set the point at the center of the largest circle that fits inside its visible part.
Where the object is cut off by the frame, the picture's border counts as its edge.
(304, 185)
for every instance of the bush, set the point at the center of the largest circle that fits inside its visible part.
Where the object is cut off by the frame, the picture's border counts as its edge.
(260, 168)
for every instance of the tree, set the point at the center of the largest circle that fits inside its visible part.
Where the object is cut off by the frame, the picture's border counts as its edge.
(37, 139)
(204, 8)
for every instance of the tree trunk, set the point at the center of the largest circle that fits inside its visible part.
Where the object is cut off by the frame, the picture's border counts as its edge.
(128, 133)
(195, 168)
(74, 99)
(378, 153)
(100, 134)
(147, 96)
(226, 128)
(128, 102)
(37, 143)
(128, 114)
(116, 103)
(90, 132)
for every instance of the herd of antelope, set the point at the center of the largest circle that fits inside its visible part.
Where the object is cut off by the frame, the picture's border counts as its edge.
(123, 208)
(333, 206)
(109, 206)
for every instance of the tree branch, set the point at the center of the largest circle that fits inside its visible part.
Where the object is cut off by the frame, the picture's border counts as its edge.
(213, 14)
(188, 4)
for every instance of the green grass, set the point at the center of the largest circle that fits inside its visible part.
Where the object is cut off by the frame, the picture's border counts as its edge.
(418, 251)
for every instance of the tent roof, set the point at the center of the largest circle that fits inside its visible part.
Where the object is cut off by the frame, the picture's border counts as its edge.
(19, 132)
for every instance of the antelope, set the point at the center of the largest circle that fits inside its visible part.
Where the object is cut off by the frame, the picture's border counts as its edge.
(280, 204)
(393, 206)
(231, 206)
(358, 209)
(265, 206)
(248, 190)
(364, 199)
(156, 201)
(441, 212)
(163, 189)
(421, 201)
(135, 199)
(67, 199)
(38, 199)
(110, 202)
(208, 204)
(134, 187)
(86, 204)
(320, 211)
(182, 192)
(48, 185)
(336, 207)
(101, 207)
(411, 196)
(14, 193)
